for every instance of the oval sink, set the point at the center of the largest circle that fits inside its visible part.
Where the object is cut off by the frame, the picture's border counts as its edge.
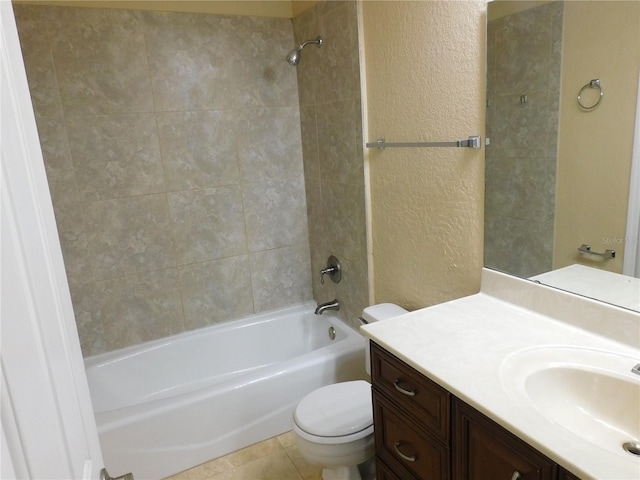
(591, 393)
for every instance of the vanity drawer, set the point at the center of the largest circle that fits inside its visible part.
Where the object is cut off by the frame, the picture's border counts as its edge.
(408, 451)
(423, 399)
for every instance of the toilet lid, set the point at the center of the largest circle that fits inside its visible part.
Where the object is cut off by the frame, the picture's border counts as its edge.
(336, 410)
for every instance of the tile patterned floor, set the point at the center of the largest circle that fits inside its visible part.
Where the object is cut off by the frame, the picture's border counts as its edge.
(277, 458)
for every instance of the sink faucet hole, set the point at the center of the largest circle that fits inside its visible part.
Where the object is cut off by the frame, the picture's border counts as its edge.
(632, 447)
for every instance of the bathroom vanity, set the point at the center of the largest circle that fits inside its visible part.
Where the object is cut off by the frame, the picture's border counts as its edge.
(520, 381)
(424, 432)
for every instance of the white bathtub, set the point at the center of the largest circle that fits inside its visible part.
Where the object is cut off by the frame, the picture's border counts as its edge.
(168, 405)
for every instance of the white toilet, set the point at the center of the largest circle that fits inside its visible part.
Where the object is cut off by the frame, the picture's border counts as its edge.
(333, 425)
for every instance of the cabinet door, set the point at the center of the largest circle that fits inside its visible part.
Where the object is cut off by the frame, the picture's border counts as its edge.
(564, 475)
(486, 451)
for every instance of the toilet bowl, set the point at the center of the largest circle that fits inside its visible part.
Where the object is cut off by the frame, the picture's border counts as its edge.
(333, 425)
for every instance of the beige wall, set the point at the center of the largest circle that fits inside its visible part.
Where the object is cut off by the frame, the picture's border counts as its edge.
(299, 6)
(271, 8)
(425, 71)
(600, 41)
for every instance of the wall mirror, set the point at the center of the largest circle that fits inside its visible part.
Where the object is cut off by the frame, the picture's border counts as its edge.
(557, 172)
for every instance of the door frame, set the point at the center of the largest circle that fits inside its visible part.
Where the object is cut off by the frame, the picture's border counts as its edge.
(48, 427)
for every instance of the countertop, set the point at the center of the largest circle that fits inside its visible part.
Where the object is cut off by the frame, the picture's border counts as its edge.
(465, 346)
(609, 287)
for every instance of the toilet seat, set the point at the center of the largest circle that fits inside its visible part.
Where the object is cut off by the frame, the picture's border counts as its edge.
(338, 413)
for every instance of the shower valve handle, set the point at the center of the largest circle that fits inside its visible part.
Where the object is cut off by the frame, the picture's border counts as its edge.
(332, 269)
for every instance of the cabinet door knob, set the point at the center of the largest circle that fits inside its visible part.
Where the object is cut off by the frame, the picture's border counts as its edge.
(516, 475)
(408, 458)
(409, 393)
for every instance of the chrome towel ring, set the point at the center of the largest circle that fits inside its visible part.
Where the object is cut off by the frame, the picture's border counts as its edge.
(595, 83)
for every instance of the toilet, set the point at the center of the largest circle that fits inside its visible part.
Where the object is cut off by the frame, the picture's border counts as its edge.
(333, 425)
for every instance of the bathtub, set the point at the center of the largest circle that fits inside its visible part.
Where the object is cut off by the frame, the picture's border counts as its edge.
(165, 406)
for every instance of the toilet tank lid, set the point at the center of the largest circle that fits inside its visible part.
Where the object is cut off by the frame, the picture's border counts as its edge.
(382, 311)
(336, 410)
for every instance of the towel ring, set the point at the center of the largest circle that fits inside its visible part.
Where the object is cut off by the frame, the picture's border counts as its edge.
(595, 83)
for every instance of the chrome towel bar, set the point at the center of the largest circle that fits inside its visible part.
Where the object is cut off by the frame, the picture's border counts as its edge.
(471, 142)
(586, 249)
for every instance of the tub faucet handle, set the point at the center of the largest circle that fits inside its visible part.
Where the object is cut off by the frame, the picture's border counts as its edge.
(332, 269)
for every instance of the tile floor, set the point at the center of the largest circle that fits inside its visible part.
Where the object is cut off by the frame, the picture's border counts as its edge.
(277, 458)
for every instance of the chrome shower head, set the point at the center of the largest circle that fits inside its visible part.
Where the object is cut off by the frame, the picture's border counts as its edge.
(294, 55)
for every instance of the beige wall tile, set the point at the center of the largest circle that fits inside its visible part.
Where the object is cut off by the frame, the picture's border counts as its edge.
(331, 127)
(129, 235)
(338, 66)
(274, 215)
(524, 51)
(199, 148)
(269, 145)
(139, 308)
(207, 224)
(74, 243)
(309, 132)
(57, 160)
(314, 211)
(41, 74)
(307, 69)
(343, 219)
(90, 330)
(160, 112)
(280, 277)
(101, 68)
(216, 291)
(337, 135)
(115, 155)
(273, 82)
(195, 68)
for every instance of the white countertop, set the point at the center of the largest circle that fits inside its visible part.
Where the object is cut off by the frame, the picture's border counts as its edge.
(462, 345)
(614, 288)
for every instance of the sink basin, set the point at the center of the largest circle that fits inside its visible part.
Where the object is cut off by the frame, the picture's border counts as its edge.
(589, 392)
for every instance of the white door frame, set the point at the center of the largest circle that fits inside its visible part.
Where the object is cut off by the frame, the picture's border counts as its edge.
(631, 265)
(48, 427)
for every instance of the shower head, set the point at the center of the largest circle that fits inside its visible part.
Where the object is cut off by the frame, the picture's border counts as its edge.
(294, 55)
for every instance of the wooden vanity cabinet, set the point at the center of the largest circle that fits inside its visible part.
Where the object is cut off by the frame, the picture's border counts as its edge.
(411, 416)
(422, 432)
(564, 475)
(486, 451)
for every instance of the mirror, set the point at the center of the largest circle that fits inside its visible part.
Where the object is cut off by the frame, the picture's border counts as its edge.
(558, 173)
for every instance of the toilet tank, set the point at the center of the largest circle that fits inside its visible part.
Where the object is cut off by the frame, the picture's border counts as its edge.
(375, 313)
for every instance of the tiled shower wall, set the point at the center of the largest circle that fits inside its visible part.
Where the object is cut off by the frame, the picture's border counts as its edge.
(524, 54)
(331, 120)
(172, 147)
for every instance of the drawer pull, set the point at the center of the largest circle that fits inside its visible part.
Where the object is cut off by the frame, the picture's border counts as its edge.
(408, 458)
(516, 475)
(409, 393)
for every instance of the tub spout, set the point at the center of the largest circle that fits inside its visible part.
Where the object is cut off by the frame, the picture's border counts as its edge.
(332, 305)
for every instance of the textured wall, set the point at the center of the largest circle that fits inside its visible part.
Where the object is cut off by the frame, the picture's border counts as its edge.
(524, 58)
(601, 40)
(172, 148)
(425, 70)
(331, 120)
